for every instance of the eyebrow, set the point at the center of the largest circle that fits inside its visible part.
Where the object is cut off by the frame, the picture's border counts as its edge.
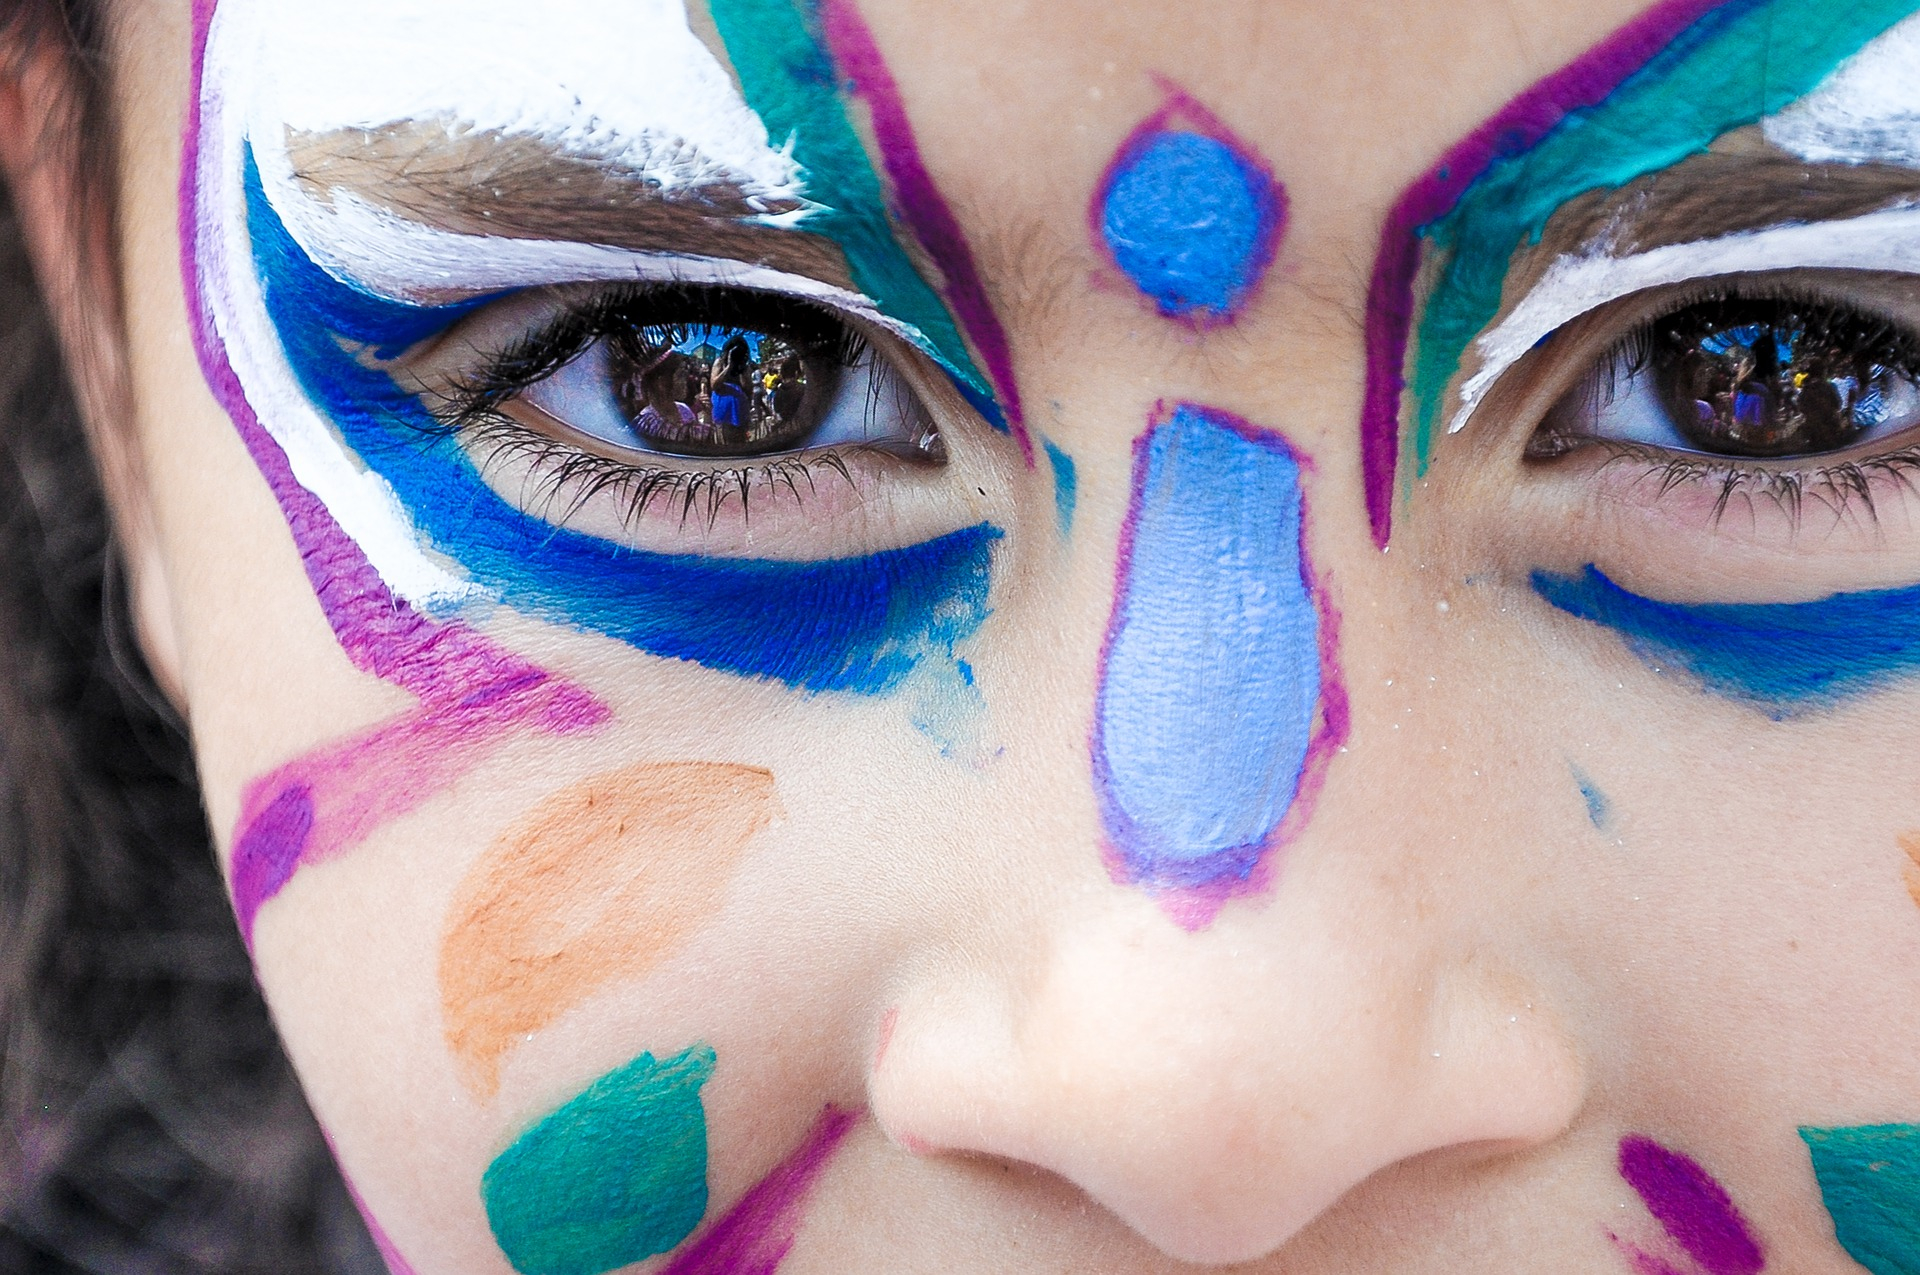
(1705, 197)
(484, 182)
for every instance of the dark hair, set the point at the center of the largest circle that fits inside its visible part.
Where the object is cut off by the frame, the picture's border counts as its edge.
(148, 1118)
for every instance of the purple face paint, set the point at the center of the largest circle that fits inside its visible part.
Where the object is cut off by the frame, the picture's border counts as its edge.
(1520, 124)
(920, 205)
(473, 693)
(1220, 702)
(1189, 214)
(757, 1233)
(1691, 1207)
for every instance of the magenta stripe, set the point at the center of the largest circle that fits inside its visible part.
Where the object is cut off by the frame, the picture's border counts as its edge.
(473, 693)
(1516, 127)
(757, 1233)
(921, 205)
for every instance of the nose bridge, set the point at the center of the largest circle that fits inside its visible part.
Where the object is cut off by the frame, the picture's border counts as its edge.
(1220, 701)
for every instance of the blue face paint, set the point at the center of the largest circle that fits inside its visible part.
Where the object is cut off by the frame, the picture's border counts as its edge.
(850, 624)
(1066, 487)
(1784, 658)
(1870, 1181)
(1599, 809)
(1217, 704)
(1190, 217)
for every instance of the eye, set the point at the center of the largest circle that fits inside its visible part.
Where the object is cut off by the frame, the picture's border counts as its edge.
(1748, 378)
(712, 374)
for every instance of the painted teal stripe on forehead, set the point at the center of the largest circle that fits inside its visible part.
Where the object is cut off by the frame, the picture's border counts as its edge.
(791, 83)
(1736, 65)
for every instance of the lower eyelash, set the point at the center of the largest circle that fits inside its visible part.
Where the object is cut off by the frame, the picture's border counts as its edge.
(1839, 488)
(554, 467)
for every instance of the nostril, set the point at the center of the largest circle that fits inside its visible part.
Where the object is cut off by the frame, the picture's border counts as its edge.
(1213, 1117)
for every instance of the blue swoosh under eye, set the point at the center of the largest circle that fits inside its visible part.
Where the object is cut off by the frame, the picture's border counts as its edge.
(1781, 657)
(858, 624)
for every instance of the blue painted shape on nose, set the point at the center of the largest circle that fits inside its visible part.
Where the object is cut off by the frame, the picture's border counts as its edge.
(1215, 706)
(1191, 219)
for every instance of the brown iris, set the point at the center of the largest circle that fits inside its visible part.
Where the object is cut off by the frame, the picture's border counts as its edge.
(1770, 378)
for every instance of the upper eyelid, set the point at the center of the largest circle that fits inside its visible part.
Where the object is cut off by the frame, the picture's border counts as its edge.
(1886, 242)
(401, 259)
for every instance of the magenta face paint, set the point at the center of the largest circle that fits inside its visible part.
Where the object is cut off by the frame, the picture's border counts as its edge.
(1189, 214)
(919, 203)
(1694, 1210)
(473, 693)
(757, 1233)
(1520, 124)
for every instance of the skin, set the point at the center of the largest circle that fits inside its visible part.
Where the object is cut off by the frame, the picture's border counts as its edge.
(1416, 1052)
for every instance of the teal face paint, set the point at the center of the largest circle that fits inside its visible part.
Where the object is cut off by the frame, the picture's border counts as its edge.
(1662, 88)
(1066, 487)
(616, 1175)
(779, 51)
(1736, 65)
(1870, 1180)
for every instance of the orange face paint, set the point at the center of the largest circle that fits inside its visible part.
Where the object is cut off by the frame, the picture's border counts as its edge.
(1911, 844)
(598, 884)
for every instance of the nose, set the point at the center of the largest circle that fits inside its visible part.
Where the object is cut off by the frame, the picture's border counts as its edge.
(1218, 1076)
(1217, 1091)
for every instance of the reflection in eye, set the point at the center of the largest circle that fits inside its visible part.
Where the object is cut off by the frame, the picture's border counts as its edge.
(705, 373)
(1746, 378)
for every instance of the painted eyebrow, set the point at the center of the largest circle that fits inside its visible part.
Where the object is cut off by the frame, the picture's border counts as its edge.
(483, 182)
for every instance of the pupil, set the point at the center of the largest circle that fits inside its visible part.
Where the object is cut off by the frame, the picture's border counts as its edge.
(1759, 379)
(718, 391)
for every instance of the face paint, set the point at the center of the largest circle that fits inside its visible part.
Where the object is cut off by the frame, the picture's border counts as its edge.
(1575, 285)
(1066, 488)
(920, 203)
(1599, 809)
(1220, 703)
(1911, 844)
(780, 52)
(1693, 1209)
(396, 1263)
(1783, 658)
(472, 693)
(756, 1235)
(616, 1175)
(395, 526)
(1189, 214)
(1870, 1181)
(597, 885)
(1664, 88)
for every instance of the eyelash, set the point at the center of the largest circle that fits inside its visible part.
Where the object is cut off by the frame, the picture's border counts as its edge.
(1837, 486)
(471, 406)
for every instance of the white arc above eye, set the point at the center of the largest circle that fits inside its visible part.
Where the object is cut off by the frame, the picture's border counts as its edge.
(1887, 242)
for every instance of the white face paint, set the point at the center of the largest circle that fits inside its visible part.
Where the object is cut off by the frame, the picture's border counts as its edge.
(623, 83)
(1575, 285)
(1868, 110)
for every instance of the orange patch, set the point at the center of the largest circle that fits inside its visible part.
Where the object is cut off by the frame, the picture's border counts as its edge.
(598, 884)
(1911, 844)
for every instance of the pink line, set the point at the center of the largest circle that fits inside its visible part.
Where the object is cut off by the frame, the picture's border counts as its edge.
(757, 1233)
(473, 693)
(1515, 128)
(920, 203)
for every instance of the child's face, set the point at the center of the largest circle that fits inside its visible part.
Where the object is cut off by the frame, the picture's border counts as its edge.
(1330, 682)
